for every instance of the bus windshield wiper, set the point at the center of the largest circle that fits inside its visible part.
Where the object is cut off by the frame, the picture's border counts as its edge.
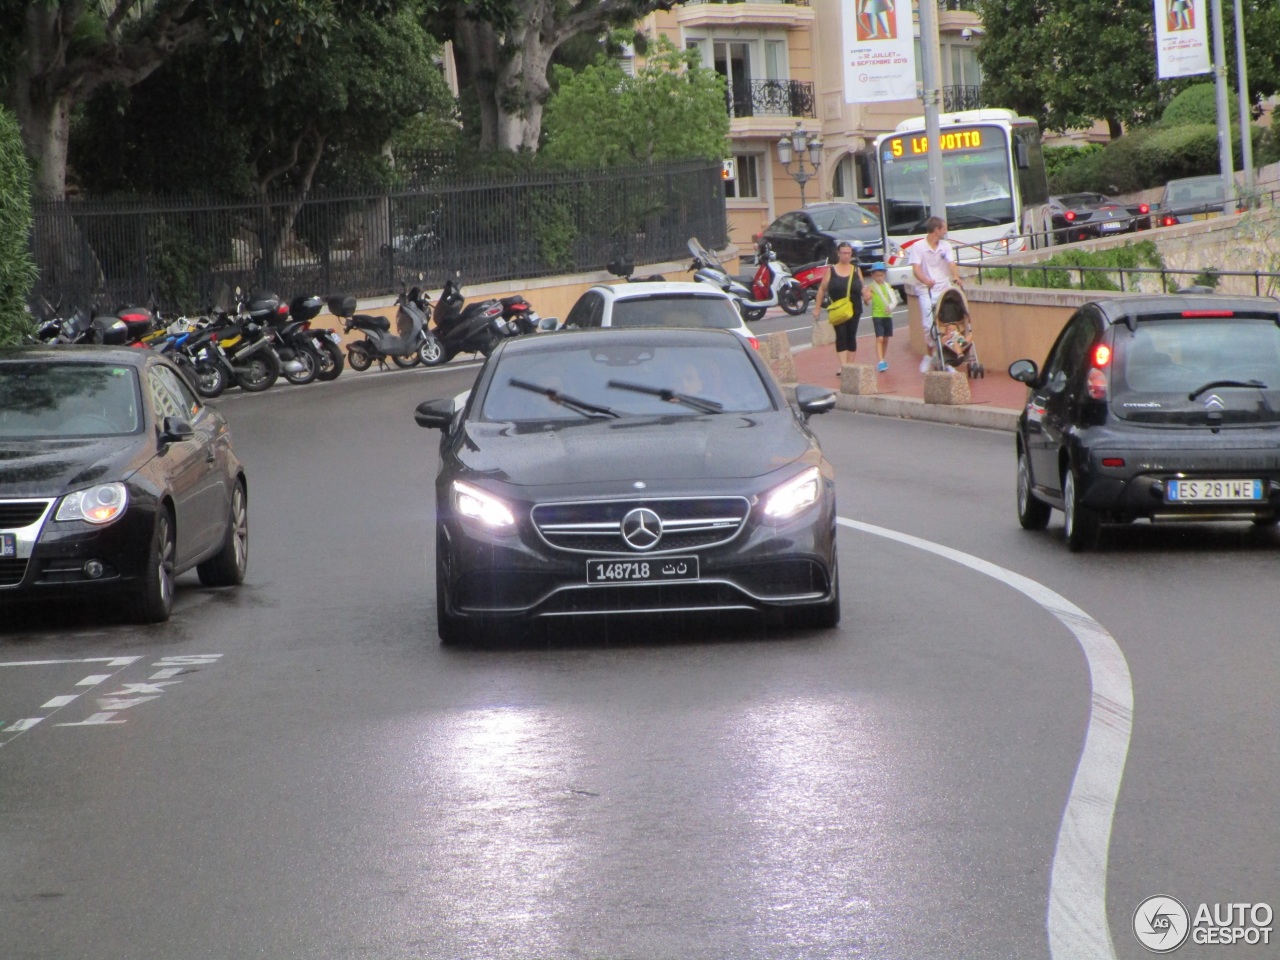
(1214, 384)
(970, 218)
(573, 403)
(670, 396)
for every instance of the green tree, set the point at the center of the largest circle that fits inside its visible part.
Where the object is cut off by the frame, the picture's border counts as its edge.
(503, 49)
(1071, 62)
(17, 272)
(58, 52)
(672, 109)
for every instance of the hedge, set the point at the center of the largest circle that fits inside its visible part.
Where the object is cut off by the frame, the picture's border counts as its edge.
(17, 271)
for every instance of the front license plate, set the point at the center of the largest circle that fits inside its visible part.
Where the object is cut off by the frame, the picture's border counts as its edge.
(8, 545)
(1180, 491)
(655, 569)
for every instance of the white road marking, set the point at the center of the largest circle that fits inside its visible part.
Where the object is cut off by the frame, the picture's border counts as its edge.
(109, 661)
(96, 720)
(19, 725)
(93, 679)
(59, 702)
(1077, 917)
(166, 673)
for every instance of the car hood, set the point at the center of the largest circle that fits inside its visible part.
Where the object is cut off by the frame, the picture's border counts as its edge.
(864, 236)
(724, 446)
(52, 467)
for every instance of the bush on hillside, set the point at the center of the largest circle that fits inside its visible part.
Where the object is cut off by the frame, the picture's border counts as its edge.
(17, 271)
(1198, 104)
(1056, 273)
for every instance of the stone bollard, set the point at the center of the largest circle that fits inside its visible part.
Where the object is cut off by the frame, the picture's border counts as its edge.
(858, 379)
(824, 334)
(775, 350)
(946, 387)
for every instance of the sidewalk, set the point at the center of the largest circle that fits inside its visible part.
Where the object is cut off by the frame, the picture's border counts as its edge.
(996, 399)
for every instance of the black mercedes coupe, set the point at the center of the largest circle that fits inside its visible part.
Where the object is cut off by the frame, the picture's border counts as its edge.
(114, 478)
(619, 472)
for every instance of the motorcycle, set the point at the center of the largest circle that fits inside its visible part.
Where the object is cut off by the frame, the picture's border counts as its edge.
(474, 328)
(810, 278)
(326, 343)
(236, 348)
(410, 345)
(771, 284)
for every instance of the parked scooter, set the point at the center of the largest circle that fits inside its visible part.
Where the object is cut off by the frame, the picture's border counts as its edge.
(474, 328)
(326, 342)
(404, 348)
(770, 284)
(810, 278)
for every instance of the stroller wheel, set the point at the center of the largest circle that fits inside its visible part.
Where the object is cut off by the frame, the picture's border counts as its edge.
(981, 371)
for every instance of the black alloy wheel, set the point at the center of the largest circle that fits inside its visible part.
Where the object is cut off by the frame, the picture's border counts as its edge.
(359, 357)
(259, 372)
(332, 360)
(153, 602)
(306, 355)
(227, 567)
(1033, 514)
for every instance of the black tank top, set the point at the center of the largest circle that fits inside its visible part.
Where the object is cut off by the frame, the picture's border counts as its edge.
(838, 287)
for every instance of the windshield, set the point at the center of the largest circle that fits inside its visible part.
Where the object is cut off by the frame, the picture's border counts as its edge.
(844, 217)
(617, 378)
(691, 310)
(976, 180)
(68, 400)
(1230, 365)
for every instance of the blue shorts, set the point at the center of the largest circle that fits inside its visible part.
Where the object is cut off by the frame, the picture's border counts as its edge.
(884, 326)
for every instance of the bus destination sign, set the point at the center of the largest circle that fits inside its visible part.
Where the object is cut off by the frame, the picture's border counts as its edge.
(951, 140)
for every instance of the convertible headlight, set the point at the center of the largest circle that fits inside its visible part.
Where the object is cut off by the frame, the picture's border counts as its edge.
(788, 499)
(97, 505)
(475, 504)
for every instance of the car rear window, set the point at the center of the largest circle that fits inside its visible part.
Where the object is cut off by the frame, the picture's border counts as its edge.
(722, 374)
(41, 400)
(678, 310)
(1179, 370)
(1196, 191)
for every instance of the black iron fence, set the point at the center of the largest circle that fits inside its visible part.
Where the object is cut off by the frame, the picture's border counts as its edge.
(961, 97)
(178, 252)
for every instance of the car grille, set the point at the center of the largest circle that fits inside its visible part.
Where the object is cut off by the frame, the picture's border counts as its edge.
(11, 572)
(595, 526)
(15, 514)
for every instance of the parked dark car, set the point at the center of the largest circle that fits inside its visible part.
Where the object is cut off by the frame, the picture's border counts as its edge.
(617, 472)
(1086, 216)
(114, 478)
(812, 232)
(1192, 198)
(1158, 407)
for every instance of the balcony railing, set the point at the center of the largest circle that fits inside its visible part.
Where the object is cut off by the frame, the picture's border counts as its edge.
(961, 98)
(793, 3)
(771, 98)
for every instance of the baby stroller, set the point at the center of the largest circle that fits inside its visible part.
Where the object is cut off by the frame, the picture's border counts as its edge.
(951, 335)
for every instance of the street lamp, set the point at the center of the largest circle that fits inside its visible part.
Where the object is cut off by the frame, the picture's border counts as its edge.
(794, 147)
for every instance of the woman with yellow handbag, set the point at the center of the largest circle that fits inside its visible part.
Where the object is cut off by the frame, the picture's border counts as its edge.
(843, 281)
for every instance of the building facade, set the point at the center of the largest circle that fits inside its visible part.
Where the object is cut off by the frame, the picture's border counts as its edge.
(782, 61)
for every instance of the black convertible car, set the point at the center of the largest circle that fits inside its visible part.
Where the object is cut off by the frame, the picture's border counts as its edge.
(615, 472)
(114, 478)
(1086, 216)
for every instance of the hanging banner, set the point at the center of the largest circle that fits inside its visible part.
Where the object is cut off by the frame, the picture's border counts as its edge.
(879, 51)
(1182, 38)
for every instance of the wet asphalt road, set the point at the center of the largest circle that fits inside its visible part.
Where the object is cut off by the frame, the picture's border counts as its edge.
(303, 772)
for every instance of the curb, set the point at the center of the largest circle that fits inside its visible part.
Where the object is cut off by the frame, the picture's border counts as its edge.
(909, 408)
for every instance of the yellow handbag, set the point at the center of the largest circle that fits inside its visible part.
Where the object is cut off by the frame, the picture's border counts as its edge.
(841, 310)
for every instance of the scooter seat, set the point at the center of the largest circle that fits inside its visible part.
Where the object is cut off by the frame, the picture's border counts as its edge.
(366, 322)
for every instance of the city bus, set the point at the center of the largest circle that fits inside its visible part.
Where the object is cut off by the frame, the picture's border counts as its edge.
(993, 176)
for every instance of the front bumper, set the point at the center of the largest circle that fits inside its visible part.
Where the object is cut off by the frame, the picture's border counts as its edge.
(765, 567)
(53, 558)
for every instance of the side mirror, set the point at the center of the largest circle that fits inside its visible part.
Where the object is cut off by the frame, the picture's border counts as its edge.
(175, 430)
(811, 400)
(548, 324)
(1024, 371)
(434, 414)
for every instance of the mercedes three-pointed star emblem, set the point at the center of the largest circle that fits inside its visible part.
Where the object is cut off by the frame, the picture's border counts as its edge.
(641, 528)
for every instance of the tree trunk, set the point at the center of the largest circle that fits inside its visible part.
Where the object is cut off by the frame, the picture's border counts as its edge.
(1114, 129)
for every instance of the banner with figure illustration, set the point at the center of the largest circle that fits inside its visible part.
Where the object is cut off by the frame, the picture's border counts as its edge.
(879, 51)
(1182, 38)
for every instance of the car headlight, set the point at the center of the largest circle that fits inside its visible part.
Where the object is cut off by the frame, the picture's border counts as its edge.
(97, 505)
(475, 504)
(788, 499)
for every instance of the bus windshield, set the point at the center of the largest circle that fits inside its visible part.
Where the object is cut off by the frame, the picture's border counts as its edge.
(976, 178)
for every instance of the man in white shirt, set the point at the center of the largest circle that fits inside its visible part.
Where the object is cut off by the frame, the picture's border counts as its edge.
(933, 265)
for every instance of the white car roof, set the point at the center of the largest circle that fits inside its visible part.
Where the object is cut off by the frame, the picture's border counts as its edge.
(643, 288)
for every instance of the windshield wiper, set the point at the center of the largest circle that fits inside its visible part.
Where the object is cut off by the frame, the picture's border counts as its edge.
(670, 396)
(970, 218)
(1214, 384)
(573, 403)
